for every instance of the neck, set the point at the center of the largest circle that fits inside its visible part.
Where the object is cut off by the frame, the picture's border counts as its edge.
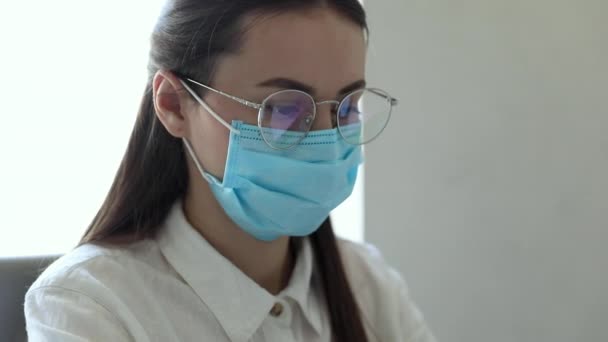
(268, 263)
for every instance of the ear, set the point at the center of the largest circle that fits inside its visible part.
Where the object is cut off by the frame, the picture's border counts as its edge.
(170, 102)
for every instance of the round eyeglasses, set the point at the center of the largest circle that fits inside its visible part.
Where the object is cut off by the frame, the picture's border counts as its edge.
(286, 116)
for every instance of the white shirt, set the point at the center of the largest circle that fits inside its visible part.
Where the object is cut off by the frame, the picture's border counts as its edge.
(177, 287)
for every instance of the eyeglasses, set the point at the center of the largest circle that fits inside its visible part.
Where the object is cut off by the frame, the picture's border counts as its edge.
(286, 116)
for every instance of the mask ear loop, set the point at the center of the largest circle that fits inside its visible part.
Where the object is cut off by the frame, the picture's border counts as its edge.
(211, 111)
(196, 161)
(189, 148)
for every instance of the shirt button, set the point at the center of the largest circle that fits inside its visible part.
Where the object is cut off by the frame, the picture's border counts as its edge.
(277, 309)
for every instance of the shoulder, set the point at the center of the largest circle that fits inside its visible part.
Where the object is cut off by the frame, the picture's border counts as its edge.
(90, 268)
(383, 295)
(89, 281)
(366, 266)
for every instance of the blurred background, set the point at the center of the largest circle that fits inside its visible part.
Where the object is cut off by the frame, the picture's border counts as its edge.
(488, 191)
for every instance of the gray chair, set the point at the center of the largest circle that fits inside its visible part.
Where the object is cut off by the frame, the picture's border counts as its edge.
(16, 276)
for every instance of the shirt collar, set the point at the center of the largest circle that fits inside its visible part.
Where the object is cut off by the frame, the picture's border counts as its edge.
(239, 304)
(300, 285)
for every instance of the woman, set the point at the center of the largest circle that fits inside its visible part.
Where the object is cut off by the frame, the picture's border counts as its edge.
(216, 227)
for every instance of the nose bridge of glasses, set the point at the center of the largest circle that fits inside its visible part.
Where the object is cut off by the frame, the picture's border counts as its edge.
(325, 115)
(334, 104)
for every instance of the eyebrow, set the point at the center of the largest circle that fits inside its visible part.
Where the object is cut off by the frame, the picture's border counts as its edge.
(287, 83)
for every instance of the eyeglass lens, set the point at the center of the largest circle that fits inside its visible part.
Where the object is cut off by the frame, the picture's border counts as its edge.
(286, 116)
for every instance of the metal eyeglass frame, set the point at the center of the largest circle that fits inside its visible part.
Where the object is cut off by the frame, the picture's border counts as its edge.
(393, 102)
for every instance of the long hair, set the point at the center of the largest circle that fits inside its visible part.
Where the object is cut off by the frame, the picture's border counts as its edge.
(188, 39)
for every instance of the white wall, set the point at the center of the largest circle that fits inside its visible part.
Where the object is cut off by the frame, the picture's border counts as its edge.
(74, 72)
(489, 189)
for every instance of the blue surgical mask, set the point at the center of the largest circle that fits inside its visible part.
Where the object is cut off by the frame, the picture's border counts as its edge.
(271, 193)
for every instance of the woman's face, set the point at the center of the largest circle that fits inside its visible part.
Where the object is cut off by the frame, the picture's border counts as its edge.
(317, 49)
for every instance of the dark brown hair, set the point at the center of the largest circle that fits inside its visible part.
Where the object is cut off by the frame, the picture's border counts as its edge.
(188, 39)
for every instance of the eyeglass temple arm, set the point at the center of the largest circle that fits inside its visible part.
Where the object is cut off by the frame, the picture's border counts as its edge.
(237, 99)
(209, 109)
(393, 100)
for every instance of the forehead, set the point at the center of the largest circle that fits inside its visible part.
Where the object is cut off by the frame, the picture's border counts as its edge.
(318, 47)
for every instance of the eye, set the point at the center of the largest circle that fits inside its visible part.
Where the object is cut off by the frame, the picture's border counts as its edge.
(348, 109)
(287, 109)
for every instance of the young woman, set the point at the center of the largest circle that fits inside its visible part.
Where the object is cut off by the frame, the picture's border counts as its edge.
(216, 227)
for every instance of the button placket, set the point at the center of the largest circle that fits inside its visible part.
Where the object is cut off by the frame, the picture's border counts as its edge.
(281, 313)
(277, 309)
